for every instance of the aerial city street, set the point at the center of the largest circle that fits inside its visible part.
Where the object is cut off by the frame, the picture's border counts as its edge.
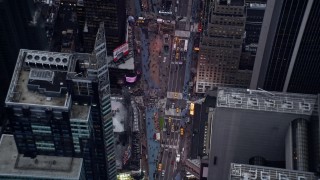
(160, 89)
(166, 51)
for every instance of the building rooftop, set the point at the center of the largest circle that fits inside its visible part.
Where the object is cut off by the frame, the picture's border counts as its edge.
(39, 79)
(128, 63)
(120, 113)
(231, 2)
(266, 101)
(253, 122)
(80, 112)
(240, 171)
(13, 164)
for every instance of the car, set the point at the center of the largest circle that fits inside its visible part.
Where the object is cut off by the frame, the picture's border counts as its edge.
(172, 162)
(169, 120)
(178, 158)
(172, 128)
(163, 173)
(159, 167)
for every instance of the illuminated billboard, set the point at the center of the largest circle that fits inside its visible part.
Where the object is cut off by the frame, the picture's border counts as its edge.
(192, 109)
(120, 52)
(131, 79)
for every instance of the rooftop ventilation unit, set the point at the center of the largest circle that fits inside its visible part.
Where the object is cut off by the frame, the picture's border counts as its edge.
(253, 101)
(305, 106)
(235, 99)
(269, 103)
(287, 104)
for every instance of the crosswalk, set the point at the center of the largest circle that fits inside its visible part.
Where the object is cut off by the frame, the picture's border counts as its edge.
(180, 62)
(169, 146)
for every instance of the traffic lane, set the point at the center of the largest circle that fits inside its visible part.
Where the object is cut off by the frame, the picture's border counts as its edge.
(182, 8)
(174, 76)
(178, 74)
(172, 141)
(180, 82)
(170, 71)
(166, 158)
(176, 80)
(170, 165)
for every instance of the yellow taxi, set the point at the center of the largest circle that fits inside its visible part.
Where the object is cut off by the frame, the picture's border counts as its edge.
(178, 110)
(159, 167)
(181, 131)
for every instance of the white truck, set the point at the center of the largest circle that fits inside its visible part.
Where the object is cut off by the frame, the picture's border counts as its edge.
(160, 20)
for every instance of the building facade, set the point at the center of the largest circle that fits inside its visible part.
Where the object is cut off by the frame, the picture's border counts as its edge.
(263, 128)
(287, 52)
(221, 46)
(254, 18)
(59, 105)
(111, 12)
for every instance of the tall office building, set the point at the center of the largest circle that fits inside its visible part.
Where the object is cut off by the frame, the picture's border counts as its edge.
(262, 128)
(221, 46)
(254, 18)
(111, 12)
(287, 56)
(59, 105)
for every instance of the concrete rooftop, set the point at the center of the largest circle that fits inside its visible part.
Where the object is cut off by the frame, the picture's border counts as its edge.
(13, 164)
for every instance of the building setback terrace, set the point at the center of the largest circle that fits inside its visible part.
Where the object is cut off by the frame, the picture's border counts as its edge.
(13, 164)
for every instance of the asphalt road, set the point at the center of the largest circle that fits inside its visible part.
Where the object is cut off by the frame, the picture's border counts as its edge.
(170, 147)
(172, 141)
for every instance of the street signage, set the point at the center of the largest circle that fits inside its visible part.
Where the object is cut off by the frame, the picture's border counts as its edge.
(120, 51)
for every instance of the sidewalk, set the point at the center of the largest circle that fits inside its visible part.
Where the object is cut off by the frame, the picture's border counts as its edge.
(153, 146)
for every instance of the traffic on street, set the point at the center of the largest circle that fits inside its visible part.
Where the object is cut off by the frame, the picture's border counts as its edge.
(165, 46)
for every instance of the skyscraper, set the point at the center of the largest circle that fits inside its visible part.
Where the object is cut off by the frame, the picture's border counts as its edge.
(262, 128)
(221, 46)
(254, 18)
(287, 55)
(113, 13)
(59, 105)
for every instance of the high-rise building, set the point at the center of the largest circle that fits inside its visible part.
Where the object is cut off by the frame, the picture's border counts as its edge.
(287, 55)
(262, 128)
(59, 105)
(254, 18)
(113, 13)
(221, 46)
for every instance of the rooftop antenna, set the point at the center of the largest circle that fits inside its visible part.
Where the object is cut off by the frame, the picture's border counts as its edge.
(259, 91)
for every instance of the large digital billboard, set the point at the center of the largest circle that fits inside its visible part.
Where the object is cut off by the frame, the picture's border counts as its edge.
(120, 52)
(131, 79)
